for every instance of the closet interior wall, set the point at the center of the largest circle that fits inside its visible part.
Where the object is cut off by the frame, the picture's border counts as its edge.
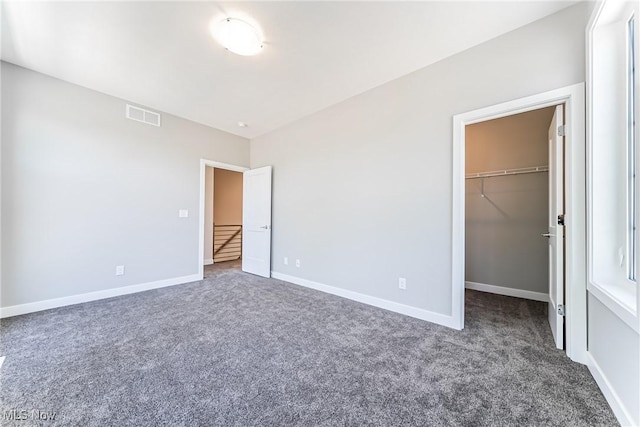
(506, 215)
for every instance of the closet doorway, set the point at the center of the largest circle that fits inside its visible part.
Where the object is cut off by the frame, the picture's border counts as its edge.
(514, 210)
(572, 98)
(223, 219)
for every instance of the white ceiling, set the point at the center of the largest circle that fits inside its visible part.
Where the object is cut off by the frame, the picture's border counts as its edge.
(160, 54)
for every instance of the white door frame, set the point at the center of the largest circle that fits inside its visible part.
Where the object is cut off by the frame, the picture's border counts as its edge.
(203, 167)
(573, 97)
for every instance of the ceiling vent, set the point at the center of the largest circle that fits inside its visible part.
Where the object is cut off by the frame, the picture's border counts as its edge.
(141, 115)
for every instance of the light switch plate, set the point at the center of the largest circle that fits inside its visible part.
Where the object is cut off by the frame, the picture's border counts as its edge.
(183, 213)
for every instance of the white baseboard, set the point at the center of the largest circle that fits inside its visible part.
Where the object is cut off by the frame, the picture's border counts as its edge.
(618, 408)
(208, 261)
(510, 292)
(429, 316)
(31, 307)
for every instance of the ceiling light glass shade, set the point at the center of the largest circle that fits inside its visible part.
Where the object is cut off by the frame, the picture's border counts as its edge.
(238, 37)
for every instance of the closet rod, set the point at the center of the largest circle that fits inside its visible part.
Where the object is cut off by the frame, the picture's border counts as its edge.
(505, 172)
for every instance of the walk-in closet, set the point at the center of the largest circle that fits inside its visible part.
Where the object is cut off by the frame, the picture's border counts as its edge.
(507, 205)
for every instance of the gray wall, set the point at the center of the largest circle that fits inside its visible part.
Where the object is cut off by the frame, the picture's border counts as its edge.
(502, 240)
(84, 190)
(616, 348)
(362, 190)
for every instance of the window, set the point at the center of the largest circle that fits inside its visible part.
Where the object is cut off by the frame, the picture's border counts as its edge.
(631, 152)
(613, 208)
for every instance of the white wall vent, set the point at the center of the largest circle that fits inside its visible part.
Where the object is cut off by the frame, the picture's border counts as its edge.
(141, 115)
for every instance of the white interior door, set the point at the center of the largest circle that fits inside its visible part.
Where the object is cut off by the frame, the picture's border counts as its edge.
(555, 233)
(256, 221)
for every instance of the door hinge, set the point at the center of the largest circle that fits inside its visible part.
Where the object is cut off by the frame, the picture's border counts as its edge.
(561, 219)
(561, 309)
(561, 130)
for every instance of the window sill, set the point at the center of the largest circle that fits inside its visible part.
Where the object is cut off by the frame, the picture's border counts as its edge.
(621, 300)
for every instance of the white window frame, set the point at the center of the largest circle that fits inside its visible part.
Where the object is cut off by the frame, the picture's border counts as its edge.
(632, 191)
(619, 296)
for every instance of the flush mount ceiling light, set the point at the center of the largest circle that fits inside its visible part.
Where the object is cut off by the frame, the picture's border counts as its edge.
(237, 36)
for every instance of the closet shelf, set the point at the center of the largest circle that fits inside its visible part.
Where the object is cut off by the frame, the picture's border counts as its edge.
(506, 172)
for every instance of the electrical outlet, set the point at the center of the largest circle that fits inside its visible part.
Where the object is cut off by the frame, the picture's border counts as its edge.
(286, 260)
(183, 213)
(119, 270)
(297, 263)
(402, 283)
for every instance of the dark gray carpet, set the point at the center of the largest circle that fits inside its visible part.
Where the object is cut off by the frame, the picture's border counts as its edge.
(236, 349)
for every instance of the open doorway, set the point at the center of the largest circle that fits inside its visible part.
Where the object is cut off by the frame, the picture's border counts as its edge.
(223, 220)
(513, 243)
(574, 306)
(255, 196)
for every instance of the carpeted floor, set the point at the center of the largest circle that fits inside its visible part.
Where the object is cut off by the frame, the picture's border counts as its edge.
(236, 349)
(212, 269)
